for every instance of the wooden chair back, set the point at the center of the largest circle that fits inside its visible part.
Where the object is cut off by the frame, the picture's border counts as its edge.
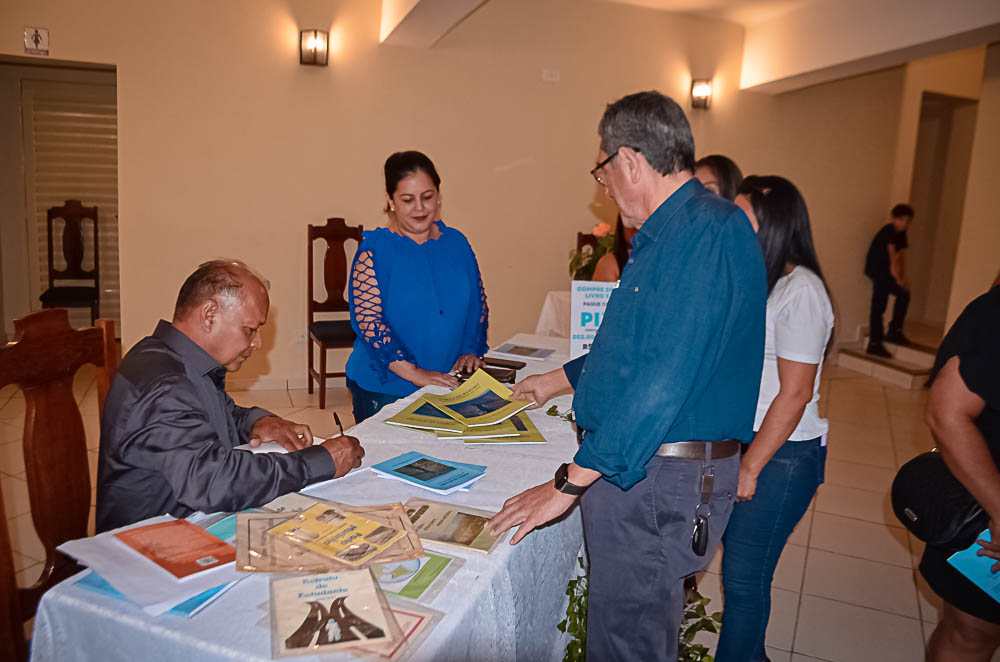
(335, 233)
(74, 214)
(42, 360)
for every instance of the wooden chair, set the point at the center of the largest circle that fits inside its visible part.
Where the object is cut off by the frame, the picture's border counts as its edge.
(42, 360)
(329, 334)
(585, 239)
(73, 296)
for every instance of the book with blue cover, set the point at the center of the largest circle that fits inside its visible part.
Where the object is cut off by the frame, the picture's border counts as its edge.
(430, 473)
(94, 582)
(978, 568)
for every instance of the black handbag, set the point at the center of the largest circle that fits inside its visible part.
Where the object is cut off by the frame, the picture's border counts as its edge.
(934, 505)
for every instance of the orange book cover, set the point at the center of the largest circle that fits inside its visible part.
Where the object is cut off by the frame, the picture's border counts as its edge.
(179, 547)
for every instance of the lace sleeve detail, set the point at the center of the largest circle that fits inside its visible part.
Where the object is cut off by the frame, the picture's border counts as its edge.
(479, 319)
(366, 317)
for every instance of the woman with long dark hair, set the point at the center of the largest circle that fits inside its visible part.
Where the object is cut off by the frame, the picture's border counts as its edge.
(719, 174)
(609, 268)
(784, 464)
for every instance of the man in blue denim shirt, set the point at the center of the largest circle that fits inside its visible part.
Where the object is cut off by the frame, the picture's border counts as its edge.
(666, 394)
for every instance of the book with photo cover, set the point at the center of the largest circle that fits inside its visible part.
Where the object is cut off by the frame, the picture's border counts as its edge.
(515, 351)
(345, 537)
(451, 524)
(481, 400)
(178, 546)
(422, 415)
(316, 614)
(527, 434)
(506, 429)
(430, 473)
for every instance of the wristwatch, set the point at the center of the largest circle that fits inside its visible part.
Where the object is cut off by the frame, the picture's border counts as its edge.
(562, 482)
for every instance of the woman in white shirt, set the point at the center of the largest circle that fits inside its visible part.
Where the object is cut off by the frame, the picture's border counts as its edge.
(784, 465)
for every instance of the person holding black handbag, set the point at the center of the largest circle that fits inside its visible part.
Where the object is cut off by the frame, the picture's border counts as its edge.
(964, 415)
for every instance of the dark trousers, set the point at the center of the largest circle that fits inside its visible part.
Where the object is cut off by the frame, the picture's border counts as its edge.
(752, 544)
(367, 403)
(639, 544)
(881, 289)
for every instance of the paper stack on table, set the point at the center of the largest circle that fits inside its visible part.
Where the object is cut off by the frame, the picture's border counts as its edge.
(430, 473)
(512, 351)
(524, 432)
(139, 578)
(480, 401)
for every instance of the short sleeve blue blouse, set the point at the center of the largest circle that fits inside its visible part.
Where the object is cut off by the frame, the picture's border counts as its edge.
(430, 303)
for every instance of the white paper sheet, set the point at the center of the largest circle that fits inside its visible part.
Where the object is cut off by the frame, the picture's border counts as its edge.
(272, 446)
(138, 578)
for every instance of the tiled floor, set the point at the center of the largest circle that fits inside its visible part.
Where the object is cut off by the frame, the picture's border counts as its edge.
(845, 589)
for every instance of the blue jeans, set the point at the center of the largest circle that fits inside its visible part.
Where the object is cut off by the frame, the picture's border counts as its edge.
(639, 545)
(367, 403)
(752, 544)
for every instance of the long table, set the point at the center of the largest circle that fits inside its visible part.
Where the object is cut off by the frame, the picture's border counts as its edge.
(501, 606)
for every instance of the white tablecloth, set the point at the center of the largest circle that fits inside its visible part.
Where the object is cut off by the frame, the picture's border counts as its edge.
(501, 606)
(554, 318)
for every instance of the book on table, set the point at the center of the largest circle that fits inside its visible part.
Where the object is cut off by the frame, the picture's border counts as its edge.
(515, 351)
(422, 415)
(179, 547)
(417, 579)
(506, 429)
(316, 614)
(430, 473)
(527, 433)
(480, 401)
(415, 622)
(451, 524)
(345, 537)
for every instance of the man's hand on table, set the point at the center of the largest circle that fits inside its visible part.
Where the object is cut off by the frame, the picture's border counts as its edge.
(346, 452)
(538, 505)
(291, 436)
(542, 387)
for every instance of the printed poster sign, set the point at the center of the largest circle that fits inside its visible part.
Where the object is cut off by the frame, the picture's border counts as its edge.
(588, 299)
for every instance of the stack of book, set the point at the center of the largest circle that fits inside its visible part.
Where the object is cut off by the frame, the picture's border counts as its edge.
(479, 411)
(430, 473)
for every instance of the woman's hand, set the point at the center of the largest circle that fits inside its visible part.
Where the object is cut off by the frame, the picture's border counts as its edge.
(468, 363)
(747, 485)
(991, 549)
(420, 377)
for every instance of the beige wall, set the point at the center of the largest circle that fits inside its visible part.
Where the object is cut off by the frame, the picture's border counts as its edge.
(229, 147)
(978, 256)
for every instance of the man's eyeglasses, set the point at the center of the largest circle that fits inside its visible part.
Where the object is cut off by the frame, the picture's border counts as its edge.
(594, 172)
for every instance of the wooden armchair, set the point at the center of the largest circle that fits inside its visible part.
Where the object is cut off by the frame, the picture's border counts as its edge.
(329, 334)
(42, 360)
(74, 214)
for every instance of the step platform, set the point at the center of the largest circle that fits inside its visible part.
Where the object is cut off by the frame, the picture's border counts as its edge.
(909, 367)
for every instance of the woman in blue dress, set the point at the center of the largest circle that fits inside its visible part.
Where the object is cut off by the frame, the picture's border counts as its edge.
(418, 306)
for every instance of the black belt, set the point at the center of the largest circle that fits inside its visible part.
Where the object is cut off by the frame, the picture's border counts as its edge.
(695, 450)
(690, 450)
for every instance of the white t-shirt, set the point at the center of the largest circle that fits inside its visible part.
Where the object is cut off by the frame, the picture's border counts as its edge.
(799, 322)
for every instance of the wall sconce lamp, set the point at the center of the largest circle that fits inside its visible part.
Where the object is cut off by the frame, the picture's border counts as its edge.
(701, 93)
(314, 47)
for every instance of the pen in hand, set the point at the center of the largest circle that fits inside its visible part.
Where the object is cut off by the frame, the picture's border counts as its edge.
(339, 425)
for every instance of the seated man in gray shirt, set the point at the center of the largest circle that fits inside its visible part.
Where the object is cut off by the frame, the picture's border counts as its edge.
(168, 429)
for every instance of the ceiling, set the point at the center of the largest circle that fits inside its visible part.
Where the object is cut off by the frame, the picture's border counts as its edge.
(746, 12)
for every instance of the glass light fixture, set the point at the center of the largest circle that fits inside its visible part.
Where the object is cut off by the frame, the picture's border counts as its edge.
(314, 47)
(701, 93)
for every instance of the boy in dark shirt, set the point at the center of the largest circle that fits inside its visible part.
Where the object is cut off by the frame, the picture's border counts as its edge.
(885, 264)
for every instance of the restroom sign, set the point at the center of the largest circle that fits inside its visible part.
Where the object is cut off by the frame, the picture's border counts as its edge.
(36, 41)
(588, 300)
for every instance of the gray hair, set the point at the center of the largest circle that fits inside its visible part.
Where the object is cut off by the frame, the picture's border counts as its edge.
(215, 278)
(652, 124)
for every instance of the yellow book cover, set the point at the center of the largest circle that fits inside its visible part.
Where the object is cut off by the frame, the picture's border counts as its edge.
(507, 430)
(527, 433)
(422, 415)
(481, 400)
(346, 537)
